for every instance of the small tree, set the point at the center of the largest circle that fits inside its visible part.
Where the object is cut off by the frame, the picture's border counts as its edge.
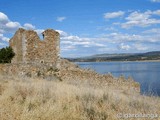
(6, 55)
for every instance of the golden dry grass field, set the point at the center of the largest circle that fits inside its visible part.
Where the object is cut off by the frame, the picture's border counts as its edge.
(38, 99)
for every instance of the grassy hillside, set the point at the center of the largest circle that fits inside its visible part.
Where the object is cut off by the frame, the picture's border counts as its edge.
(119, 57)
(37, 99)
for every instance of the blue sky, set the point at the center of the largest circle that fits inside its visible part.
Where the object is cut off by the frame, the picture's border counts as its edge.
(87, 27)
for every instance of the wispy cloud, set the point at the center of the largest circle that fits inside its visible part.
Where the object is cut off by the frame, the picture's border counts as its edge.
(29, 26)
(112, 40)
(60, 19)
(73, 42)
(3, 38)
(141, 19)
(140, 47)
(155, 0)
(152, 31)
(122, 46)
(110, 15)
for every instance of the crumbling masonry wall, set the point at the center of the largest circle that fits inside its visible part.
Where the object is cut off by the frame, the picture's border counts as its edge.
(29, 48)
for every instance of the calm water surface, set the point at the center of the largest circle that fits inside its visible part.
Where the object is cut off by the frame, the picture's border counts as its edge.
(146, 73)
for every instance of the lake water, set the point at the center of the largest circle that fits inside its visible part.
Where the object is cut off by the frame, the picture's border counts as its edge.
(146, 73)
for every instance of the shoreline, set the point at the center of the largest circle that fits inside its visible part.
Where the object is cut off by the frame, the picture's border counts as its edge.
(123, 61)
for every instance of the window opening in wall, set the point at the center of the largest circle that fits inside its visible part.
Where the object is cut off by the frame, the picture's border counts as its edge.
(41, 36)
(42, 61)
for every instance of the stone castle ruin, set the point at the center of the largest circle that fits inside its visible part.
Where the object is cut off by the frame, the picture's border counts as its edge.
(40, 59)
(29, 48)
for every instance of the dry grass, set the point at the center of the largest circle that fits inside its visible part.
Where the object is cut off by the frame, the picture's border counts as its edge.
(35, 99)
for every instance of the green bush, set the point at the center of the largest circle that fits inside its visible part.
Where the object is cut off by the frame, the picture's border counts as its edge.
(6, 55)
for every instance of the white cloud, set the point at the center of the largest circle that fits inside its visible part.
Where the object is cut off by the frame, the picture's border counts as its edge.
(77, 45)
(3, 18)
(113, 14)
(99, 44)
(29, 26)
(62, 33)
(107, 49)
(141, 23)
(68, 48)
(60, 19)
(157, 12)
(152, 31)
(155, 0)
(134, 16)
(2, 44)
(1, 30)
(72, 44)
(6, 25)
(72, 38)
(66, 42)
(140, 19)
(140, 47)
(12, 25)
(119, 37)
(109, 42)
(2, 38)
(122, 46)
(77, 41)
(110, 29)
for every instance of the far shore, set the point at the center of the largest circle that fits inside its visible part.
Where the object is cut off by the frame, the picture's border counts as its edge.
(124, 61)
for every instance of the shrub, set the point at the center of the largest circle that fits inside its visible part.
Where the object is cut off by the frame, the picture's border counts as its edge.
(6, 55)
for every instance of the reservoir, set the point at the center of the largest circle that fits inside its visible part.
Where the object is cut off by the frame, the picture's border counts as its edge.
(146, 73)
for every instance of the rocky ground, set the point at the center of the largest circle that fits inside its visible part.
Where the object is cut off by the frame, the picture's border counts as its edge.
(33, 92)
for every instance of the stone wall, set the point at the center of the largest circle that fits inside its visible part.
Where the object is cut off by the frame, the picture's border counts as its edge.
(30, 49)
(68, 72)
(33, 70)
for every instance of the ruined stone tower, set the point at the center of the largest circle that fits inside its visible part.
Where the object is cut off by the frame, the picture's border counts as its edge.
(29, 48)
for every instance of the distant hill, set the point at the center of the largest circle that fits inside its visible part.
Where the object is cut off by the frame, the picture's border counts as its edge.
(154, 55)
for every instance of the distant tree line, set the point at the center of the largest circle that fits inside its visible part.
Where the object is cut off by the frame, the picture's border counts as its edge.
(6, 55)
